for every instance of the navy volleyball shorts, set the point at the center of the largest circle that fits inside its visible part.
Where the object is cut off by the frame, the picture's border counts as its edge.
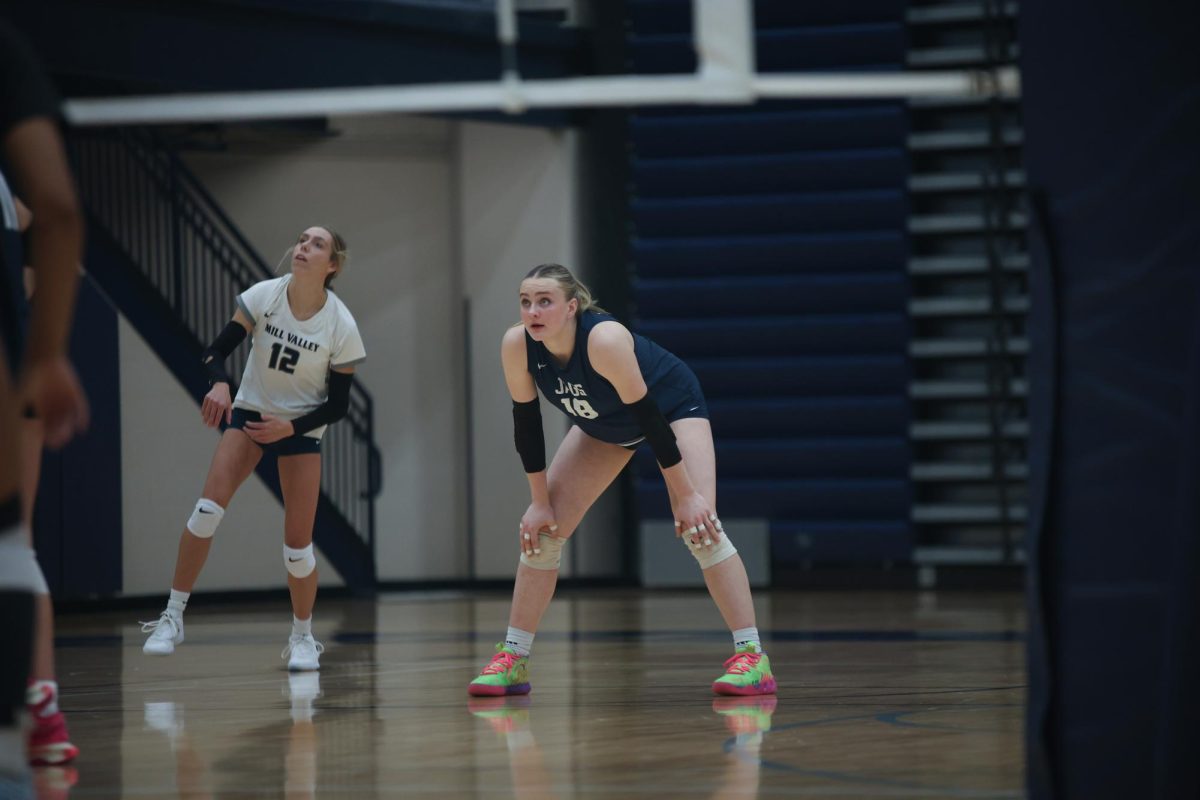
(291, 446)
(679, 396)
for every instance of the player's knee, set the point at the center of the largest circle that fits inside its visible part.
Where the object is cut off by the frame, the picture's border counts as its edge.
(19, 570)
(206, 516)
(300, 562)
(550, 555)
(710, 555)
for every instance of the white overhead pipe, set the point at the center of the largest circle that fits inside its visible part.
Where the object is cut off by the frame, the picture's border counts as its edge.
(1005, 82)
(724, 34)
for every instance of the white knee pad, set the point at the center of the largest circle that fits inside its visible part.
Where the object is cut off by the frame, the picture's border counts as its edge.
(551, 555)
(19, 570)
(300, 562)
(711, 556)
(205, 518)
(39, 586)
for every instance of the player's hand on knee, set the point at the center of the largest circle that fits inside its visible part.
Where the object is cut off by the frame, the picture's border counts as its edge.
(52, 388)
(217, 406)
(696, 522)
(538, 519)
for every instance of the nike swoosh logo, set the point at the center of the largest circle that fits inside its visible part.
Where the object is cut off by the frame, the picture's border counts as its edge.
(293, 560)
(541, 366)
(693, 408)
(205, 511)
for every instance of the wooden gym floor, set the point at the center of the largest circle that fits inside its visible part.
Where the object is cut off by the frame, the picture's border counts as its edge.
(882, 695)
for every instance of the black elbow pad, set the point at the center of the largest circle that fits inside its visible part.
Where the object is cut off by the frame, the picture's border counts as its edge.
(225, 343)
(528, 435)
(657, 430)
(336, 404)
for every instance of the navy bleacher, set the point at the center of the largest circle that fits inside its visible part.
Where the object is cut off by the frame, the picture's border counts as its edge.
(769, 250)
(777, 213)
(778, 174)
(812, 294)
(785, 49)
(820, 253)
(770, 130)
(675, 16)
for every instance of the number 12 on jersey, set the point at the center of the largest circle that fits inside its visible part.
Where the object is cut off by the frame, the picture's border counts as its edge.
(288, 362)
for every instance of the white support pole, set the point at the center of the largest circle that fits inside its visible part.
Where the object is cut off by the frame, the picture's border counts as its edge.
(510, 76)
(724, 35)
(506, 22)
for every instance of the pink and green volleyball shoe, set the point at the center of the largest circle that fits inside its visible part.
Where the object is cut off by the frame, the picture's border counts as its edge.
(507, 673)
(747, 672)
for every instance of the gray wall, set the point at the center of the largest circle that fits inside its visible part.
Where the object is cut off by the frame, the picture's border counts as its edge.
(517, 209)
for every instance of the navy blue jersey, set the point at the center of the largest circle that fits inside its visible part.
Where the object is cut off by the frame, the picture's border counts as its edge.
(25, 93)
(591, 401)
(14, 310)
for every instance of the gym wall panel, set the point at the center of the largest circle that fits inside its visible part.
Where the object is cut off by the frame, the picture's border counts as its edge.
(516, 210)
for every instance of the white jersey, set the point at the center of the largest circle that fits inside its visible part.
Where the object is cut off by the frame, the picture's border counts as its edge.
(287, 374)
(8, 207)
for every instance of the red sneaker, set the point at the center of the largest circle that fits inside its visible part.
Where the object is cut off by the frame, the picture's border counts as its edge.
(49, 743)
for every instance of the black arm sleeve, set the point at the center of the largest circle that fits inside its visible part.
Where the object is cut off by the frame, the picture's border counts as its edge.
(527, 432)
(658, 431)
(25, 90)
(334, 407)
(225, 343)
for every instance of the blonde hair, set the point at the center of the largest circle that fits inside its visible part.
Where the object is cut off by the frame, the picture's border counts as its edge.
(572, 287)
(338, 254)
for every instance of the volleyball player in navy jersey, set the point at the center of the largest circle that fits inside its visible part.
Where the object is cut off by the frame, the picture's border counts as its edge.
(35, 372)
(49, 743)
(619, 390)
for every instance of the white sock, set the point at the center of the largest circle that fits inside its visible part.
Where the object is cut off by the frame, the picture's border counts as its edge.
(177, 603)
(519, 640)
(746, 636)
(519, 739)
(40, 690)
(303, 627)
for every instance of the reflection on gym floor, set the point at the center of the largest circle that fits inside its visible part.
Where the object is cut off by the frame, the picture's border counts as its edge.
(905, 695)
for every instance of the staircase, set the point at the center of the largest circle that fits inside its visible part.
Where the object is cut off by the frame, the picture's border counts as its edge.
(172, 262)
(970, 299)
(769, 250)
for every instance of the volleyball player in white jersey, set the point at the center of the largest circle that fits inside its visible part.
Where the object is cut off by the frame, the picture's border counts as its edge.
(305, 345)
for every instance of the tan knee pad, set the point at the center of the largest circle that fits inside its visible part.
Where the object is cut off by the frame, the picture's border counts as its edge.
(551, 555)
(711, 556)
